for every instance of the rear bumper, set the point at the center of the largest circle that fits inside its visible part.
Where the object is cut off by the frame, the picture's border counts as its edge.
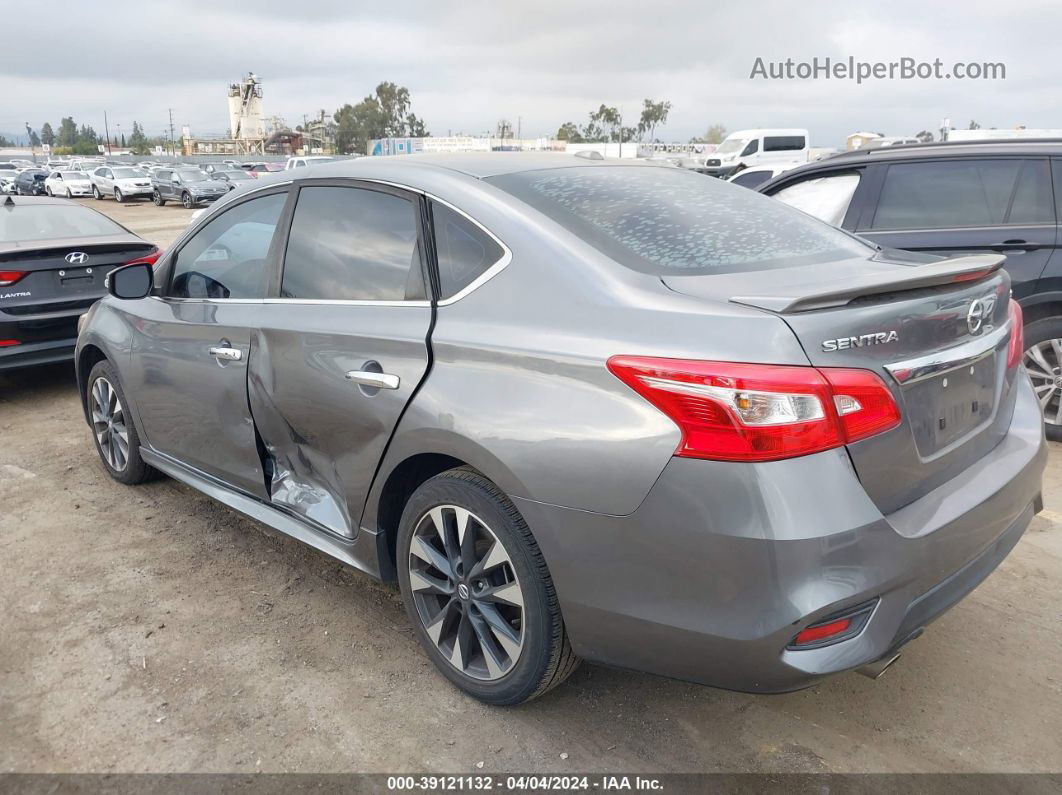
(43, 338)
(34, 353)
(722, 564)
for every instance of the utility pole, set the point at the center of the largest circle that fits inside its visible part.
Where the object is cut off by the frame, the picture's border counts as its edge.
(106, 132)
(173, 150)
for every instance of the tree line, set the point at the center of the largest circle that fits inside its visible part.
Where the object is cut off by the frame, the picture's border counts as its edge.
(70, 139)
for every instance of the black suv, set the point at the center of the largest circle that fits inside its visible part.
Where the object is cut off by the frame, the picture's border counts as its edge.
(958, 198)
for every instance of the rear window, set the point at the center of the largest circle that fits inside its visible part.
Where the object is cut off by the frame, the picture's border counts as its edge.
(54, 221)
(668, 221)
(783, 143)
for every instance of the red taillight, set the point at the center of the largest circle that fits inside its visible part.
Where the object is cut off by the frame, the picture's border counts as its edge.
(8, 343)
(821, 632)
(148, 259)
(1016, 348)
(7, 278)
(758, 412)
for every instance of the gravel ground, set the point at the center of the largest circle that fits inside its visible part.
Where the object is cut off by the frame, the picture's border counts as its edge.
(151, 629)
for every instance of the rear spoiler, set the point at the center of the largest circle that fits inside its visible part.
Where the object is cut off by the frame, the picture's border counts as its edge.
(957, 269)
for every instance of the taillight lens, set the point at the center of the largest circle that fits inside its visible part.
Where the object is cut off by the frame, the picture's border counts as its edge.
(1016, 348)
(7, 278)
(149, 259)
(731, 411)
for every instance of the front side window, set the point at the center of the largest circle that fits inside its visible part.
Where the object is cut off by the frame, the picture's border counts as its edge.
(464, 250)
(228, 258)
(352, 244)
(963, 193)
(826, 198)
(752, 148)
(670, 221)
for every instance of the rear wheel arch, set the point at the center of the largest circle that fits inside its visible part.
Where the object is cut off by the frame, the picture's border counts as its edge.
(1038, 310)
(399, 486)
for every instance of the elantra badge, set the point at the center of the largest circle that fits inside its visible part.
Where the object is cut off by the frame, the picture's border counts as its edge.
(862, 341)
(76, 257)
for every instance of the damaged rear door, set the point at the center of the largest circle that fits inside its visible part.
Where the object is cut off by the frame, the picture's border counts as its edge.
(339, 353)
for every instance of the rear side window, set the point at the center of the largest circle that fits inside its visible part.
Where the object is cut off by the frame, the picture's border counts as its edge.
(352, 244)
(228, 257)
(826, 198)
(1033, 198)
(465, 251)
(671, 221)
(783, 143)
(751, 179)
(961, 193)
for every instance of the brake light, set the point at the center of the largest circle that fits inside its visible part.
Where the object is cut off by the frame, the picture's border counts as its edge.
(8, 343)
(7, 278)
(731, 411)
(149, 259)
(1016, 348)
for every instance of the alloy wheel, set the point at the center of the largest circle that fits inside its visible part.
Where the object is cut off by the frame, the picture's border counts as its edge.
(108, 423)
(466, 592)
(118, 196)
(1044, 363)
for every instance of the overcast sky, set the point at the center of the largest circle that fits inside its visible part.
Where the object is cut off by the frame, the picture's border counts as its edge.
(468, 64)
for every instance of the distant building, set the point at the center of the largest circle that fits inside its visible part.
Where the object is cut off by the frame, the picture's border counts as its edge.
(992, 135)
(858, 140)
(460, 143)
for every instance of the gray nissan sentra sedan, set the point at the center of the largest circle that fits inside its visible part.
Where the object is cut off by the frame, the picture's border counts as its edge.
(583, 410)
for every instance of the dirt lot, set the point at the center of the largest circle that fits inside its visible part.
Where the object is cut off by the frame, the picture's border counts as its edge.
(151, 629)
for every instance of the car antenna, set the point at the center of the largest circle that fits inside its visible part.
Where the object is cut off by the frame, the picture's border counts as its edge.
(590, 154)
(9, 202)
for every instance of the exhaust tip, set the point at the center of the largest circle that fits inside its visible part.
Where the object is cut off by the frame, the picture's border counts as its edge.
(874, 670)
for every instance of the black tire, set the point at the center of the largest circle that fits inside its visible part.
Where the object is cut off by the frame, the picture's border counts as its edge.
(133, 470)
(69, 195)
(546, 658)
(186, 200)
(157, 198)
(118, 197)
(97, 194)
(1039, 331)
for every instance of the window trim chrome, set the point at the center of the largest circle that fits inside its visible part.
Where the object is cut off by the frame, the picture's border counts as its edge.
(964, 355)
(497, 267)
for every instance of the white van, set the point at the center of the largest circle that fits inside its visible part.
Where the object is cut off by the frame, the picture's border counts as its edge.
(746, 148)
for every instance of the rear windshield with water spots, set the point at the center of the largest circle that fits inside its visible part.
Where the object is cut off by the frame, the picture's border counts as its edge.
(670, 221)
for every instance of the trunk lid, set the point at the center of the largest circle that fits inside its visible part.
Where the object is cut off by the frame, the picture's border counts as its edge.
(936, 334)
(53, 284)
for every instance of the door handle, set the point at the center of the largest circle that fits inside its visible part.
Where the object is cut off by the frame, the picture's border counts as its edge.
(1016, 244)
(374, 379)
(228, 354)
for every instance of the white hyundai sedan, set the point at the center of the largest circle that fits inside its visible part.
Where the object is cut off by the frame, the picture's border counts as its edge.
(68, 183)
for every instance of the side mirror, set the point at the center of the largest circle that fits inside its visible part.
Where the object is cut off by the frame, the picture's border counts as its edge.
(131, 281)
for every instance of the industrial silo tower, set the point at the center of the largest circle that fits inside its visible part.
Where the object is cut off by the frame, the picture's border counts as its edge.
(245, 111)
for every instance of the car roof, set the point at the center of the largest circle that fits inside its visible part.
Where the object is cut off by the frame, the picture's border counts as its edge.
(473, 164)
(921, 151)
